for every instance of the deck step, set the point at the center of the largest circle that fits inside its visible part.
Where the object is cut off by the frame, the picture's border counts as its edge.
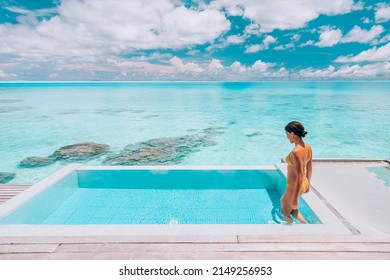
(265, 247)
(8, 191)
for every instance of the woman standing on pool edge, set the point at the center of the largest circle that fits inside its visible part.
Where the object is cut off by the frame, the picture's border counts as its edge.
(299, 170)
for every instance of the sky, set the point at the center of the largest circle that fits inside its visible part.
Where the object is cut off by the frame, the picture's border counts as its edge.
(229, 40)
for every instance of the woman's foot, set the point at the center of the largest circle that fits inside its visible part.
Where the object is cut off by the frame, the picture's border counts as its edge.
(296, 214)
(288, 219)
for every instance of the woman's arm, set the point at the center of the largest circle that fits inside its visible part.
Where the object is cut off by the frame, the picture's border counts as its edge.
(309, 166)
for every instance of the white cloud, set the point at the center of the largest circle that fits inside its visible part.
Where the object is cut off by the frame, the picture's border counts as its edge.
(179, 66)
(317, 73)
(235, 39)
(253, 29)
(177, 69)
(237, 67)
(53, 76)
(382, 13)
(366, 20)
(236, 9)
(88, 29)
(373, 54)
(253, 48)
(88, 38)
(4, 74)
(30, 16)
(296, 37)
(362, 36)
(281, 14)
(308, 43)
(384, 39)
(261, 66)
(214, 70)
(215, 65)
(116, 65)
(281, 73)
(284, 47)
(263, 70)
(358, 6)
(374, 71)
(154, 56)
(329, 37)
(258, 67)
(268, 40)
(93, 38)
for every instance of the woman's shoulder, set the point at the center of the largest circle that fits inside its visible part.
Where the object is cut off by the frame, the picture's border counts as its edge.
(301, 151)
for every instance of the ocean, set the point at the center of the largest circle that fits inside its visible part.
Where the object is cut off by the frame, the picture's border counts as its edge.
(189, 123)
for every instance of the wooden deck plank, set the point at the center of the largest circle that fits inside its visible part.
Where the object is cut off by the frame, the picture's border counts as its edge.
(192, 250)
(10, 190)
(118, 239)
(28, 248)
(198, 256)
(196, 238)
(265, 247)
(313, 238)
(282, 250)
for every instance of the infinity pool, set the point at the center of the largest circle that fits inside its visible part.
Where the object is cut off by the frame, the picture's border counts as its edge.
(154, 195)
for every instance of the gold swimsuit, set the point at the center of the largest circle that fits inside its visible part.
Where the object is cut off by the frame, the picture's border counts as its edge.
(305, 183)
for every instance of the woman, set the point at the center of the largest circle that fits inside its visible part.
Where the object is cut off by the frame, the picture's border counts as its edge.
(299, 170)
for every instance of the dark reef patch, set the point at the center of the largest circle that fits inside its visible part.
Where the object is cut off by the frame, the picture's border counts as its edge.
(80, 151)
(31, 162)
(163, 151)
(75, 152)
(6, 177)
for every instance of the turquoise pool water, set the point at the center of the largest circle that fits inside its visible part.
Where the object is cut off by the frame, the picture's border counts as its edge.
(212, 123)
(158, 197)
(382, 173)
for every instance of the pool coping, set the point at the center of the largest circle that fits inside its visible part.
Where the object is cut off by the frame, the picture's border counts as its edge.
(331, 224)
(356, 193)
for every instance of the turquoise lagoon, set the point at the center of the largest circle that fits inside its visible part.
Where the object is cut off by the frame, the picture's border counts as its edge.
(220, 123)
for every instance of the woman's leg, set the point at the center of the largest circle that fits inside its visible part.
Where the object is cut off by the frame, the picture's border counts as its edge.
(286, 202)
(295, 212)
(287, 210)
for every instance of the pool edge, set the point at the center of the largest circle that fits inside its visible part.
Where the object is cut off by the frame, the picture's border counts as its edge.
(35, 189)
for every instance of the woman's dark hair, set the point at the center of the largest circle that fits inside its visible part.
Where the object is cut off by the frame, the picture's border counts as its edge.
(297, 128)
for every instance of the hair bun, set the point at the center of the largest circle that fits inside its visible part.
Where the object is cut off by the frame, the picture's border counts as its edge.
(304, 133)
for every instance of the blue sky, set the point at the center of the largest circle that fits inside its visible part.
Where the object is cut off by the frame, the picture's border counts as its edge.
(194, 40)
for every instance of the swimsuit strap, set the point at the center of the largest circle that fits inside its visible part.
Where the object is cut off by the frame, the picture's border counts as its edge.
(289, 161)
